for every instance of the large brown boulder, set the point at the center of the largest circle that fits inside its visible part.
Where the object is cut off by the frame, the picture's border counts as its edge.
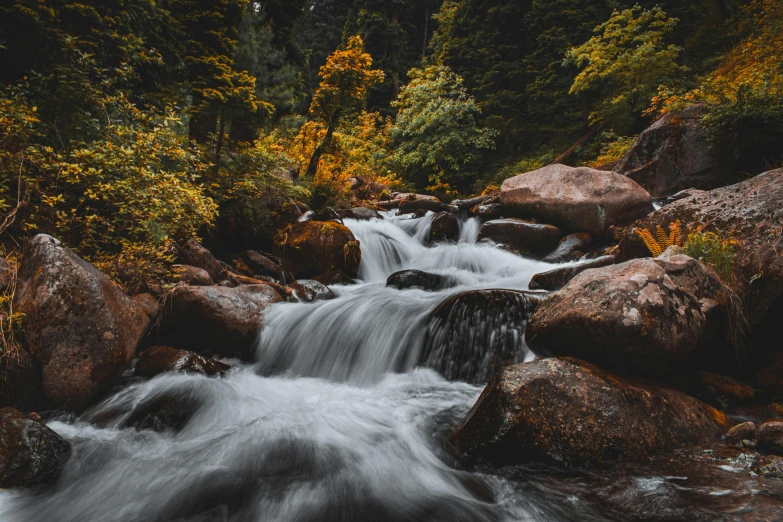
(81, 329)
(576, 199)
(522, 237)
(674, 154)
(645, 316)
(752, 213)
(571, 411)
(473, 334)
(314, 247)
(30, 452)
(216, 319)
(559, 277)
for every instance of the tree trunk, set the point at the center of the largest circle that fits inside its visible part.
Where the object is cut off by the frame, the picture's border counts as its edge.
(565, 157)
(220, 139)
(312, 167)
(201, 125)
(395, 61)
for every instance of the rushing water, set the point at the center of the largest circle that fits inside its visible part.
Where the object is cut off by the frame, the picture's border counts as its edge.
(334, 422)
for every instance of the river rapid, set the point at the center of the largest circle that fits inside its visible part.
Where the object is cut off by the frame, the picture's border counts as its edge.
(337, 421)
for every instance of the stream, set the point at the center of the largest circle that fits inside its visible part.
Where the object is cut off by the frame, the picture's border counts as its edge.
(337, 420)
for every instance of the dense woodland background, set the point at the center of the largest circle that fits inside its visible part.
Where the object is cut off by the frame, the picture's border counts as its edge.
(127, 125)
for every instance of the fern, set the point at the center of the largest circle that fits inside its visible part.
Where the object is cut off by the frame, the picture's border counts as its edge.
(662, 240)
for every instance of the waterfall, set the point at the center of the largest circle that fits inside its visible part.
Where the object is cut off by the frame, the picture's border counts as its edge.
(340, 419)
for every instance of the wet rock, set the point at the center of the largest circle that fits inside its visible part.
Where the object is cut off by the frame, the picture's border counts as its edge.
(472, 334)
(769, 437)
(445, 227)
(576, 199)
(725, 390)
(492, 211)
(20, 382)
(751, 212)
(335, 277)
(191, 275)
(165, 411)
(467, 204)
(740, 432)
(568, 246)
(559, 277)
(216, 319)
(160, 359)
(259, 264)
(571, 411)
(192, 253)
(313, 248)
(645, 316)
(522, 237)
(769, 466)
(30, 452)
(80, 328)
(360, 213)
(418, 279)
(674, 154)
(309, 290)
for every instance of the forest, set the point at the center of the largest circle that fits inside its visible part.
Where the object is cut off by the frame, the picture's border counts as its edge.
(126, 125)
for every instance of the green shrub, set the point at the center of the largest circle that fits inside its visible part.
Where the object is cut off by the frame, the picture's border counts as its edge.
(714, 250)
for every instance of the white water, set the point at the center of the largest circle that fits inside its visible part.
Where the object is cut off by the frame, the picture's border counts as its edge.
(334, 422)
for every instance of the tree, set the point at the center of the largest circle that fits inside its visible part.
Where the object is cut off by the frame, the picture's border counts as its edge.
(436, 135)
(345, 80)
(626, 61)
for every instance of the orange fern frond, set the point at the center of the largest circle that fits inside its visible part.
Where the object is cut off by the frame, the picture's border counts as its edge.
(649, 241)
(662, 238)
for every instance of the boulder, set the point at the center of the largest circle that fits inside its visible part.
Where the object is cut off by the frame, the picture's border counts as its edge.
(314, 247)
(520, 236)
(568, 247)
(360, 214)
(80, 328)
(644, 317)
(30, 452)
(740, 432)
(259, 264)
(335, 277)
(576, 199)
(216, 319)
(472, 334)
(191, 275)
(192, 253)
(570, 411)
(160, 359)
(309, 290)
(769, 437)
(492, 211)
(723, 390)
(467, 204)
(417, 279)
(674, 154)
(445, 227)
(559, 277)
(751, 212)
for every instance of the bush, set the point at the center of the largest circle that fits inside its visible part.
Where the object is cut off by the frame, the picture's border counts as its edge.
(714, 250)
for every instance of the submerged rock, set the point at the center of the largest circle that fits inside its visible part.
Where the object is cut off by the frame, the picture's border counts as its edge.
(472, 334)
(216, 319)
(193, 253)
(360, 213)
(30, 452)
(160, 359)
(674, 154)
(559, 277)
(335, 277)
(520, 236)
(418, 279)
(645, 316)
(80, 328)
(571, 411)
(568, 247)
(314, 247)
(576, 199)
(445, 227)
(309, 290)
